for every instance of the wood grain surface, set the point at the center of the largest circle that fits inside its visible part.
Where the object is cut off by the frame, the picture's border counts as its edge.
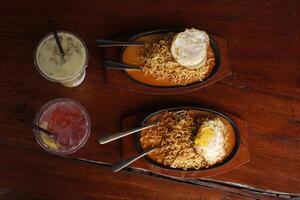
(264, 90)
(41, 176)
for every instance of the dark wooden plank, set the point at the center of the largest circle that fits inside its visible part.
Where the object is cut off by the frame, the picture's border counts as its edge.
(27, 174)
(264, 90)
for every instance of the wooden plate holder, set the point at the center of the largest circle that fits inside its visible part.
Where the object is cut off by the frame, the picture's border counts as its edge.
(130, 148)
(119, 78)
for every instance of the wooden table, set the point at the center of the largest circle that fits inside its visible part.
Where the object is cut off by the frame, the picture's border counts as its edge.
(264, 90)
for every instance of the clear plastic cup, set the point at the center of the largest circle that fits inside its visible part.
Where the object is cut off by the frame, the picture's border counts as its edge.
(69, 70)
(70, 123)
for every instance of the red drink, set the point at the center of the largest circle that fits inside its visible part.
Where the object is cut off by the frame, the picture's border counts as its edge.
(69, 123)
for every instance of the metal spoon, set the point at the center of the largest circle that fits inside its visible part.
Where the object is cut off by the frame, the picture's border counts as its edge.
(108, 138)
(124, 163)
(111, 43)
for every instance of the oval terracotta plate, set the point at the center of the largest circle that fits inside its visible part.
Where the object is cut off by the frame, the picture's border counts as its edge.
(237, 157)
(135, 80)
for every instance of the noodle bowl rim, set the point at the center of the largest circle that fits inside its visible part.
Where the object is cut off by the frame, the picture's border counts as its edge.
(205, 109)
(212, 74)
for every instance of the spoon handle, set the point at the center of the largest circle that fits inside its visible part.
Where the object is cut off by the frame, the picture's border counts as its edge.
(112, 43)
(120, 66)
(124, 163)
(108, 138)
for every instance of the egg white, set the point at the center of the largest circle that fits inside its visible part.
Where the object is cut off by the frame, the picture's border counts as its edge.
(215, 149)
(189, 48)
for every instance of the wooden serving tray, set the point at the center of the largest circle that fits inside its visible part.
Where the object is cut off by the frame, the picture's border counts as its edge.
(130, 148)
(119, 78)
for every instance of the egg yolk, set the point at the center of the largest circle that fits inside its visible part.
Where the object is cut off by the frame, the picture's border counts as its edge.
(204, 135)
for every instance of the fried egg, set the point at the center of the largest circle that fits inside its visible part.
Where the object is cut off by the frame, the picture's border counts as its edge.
(210, 141)
(189, 48)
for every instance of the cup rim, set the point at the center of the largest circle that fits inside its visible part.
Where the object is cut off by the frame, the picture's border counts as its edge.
(69, 78)
(44, 108)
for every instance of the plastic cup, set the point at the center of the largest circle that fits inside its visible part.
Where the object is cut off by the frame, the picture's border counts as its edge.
(70, 123)
(69, 70)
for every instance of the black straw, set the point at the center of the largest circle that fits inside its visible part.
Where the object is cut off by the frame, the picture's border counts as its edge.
(32, 125)
(53, 29)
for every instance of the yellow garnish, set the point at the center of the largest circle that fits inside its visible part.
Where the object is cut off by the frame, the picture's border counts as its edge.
(49, 141)
(203, 136)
